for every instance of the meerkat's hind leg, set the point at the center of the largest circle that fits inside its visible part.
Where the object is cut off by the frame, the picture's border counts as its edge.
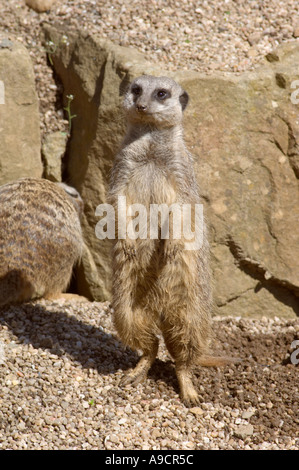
(183, 369)
(188, 394)
(184, 344)
(139, 373)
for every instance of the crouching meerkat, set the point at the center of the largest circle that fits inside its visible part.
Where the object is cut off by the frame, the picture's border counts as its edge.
(159, 285)
(40, 239)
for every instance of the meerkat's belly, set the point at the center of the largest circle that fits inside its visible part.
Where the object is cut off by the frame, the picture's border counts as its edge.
(149, 184)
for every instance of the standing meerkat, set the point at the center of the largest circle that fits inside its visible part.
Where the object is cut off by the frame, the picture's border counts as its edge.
(158, 284)
(40, 238)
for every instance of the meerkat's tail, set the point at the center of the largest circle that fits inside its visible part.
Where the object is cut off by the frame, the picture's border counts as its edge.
(216, 361)
(14, 288)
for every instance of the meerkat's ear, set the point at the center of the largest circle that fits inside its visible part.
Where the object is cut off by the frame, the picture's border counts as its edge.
(184, 98)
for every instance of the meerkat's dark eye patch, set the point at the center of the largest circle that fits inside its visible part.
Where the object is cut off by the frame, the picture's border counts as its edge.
(136, 90)
(162, 94)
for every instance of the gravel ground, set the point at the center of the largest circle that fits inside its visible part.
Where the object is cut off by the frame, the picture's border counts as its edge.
(60, 367)
(60, 363)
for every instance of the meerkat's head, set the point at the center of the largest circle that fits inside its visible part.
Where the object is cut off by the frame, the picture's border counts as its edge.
(74, 197)
(157, 101)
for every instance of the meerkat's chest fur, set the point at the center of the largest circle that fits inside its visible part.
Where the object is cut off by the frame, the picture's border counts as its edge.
(152, 163)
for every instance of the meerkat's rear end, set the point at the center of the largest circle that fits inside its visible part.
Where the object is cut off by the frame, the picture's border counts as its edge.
(40, 239)
(159, 285)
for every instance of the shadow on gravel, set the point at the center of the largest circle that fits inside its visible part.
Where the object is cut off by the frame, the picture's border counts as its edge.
(265, 369)
(164, 372)
(88, 345)
(61, 334)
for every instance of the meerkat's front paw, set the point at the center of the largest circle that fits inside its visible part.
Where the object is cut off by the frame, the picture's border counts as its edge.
(129, 249)
(172, 248)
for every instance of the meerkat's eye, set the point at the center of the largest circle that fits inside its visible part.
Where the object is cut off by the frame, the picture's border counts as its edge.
(163, 94)
(136, 90)
(69, 190)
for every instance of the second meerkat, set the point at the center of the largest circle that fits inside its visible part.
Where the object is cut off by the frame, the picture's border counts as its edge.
(158, 284)
(40, 239)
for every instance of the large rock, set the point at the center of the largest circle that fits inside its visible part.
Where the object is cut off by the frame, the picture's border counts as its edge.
(243, 132)
(19, 115)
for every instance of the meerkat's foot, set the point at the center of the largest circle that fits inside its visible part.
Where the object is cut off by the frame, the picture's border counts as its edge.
(188, 394)
(133, 378)
(190, 397)
(139, 373)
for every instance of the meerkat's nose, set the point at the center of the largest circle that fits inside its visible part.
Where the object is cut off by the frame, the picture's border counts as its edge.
(141, 108)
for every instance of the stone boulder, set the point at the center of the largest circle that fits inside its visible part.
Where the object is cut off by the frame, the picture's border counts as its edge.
(19, 115)
(243, 132)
